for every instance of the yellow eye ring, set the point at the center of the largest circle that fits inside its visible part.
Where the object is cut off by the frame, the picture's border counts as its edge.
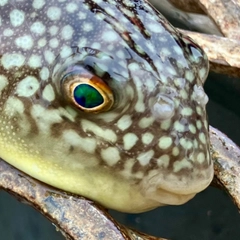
(86, 91)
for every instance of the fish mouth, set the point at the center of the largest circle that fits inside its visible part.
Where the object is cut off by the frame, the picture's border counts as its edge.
(173, 190)
(170, 198)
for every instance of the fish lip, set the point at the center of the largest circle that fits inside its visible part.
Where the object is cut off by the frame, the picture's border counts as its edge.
(170, 198)
(165, 191)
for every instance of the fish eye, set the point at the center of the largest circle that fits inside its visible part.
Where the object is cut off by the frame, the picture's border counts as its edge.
(86, 91)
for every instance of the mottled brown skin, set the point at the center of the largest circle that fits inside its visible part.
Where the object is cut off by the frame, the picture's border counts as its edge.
(150, 148)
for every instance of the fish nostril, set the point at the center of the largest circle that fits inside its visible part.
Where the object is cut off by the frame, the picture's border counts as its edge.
(162, 107)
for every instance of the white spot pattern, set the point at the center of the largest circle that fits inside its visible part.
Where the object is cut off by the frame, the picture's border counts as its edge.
(38, 4)
(106, 134)
(38, 28)
(147, 138)
(110, 155)
(10, 60)
(24, 42)
(54, 13)
(17, 17)
(145, 157)
(8, 32)
(35, 61)
(67, 32)
(48, 93)
(109, 36)
(124, 122)
(3, 2)
(27, 87)
(129, 140)
(165, 142)
(72, 7)
(86, 144)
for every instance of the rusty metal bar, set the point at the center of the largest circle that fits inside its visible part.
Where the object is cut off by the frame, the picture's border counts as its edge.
(191, 6)
(226, 157)
(76, 217)
(223, 53)
(225, 14)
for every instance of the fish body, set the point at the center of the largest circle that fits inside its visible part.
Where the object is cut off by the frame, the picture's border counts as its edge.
(104, 99)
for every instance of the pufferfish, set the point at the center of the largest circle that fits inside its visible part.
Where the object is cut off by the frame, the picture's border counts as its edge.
(105, 99)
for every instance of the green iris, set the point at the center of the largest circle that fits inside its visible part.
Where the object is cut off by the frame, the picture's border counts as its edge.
(87, 96)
